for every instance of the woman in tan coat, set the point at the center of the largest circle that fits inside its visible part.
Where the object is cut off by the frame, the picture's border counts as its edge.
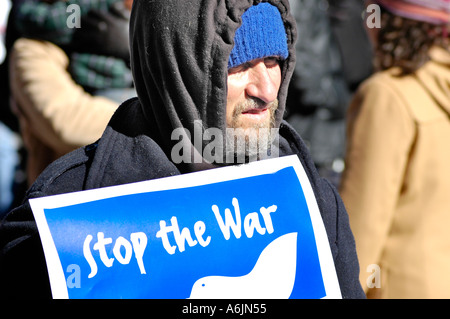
(396, 185)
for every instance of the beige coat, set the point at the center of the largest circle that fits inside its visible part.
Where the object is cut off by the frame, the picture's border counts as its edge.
(56, 115)
(396, 186)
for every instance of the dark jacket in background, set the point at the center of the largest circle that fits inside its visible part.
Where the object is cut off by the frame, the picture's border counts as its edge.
(333, 57)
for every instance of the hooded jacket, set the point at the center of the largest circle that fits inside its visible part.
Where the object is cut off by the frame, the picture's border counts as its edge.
(179, 54)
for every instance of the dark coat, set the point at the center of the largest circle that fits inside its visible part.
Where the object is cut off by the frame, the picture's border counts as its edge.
(174, 88)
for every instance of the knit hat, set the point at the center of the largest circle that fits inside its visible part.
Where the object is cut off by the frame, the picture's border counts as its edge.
(431, 11)
(261, 34)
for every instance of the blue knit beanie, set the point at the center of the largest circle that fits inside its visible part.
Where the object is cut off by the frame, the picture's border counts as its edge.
(261, 34)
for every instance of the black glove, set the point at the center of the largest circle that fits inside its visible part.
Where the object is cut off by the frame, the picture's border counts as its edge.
(104, 33)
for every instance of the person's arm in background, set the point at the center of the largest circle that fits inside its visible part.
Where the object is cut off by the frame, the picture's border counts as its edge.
(60, 112)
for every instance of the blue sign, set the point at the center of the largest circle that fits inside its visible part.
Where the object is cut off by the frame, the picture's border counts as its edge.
(217, 236)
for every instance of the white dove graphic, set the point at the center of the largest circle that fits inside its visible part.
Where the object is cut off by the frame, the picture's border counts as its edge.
(272, 277)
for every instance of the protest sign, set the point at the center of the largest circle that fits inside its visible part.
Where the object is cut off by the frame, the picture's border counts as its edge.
(248, 231)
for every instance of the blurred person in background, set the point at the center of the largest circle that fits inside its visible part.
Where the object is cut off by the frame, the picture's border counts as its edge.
(396, 185)
(67, 82)
(333, 57)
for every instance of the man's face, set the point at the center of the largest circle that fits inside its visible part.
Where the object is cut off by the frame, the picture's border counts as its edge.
(252, 94)
(251, 104)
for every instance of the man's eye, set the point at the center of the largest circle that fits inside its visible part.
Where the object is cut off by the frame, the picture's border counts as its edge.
(271, 62)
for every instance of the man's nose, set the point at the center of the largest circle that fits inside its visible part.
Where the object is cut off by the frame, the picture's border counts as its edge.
(263, 83)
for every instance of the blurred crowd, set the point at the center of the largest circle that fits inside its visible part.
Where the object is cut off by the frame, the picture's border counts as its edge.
(372, 104)
(60, 83)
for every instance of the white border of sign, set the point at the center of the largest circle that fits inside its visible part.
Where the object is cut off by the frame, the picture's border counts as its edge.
(56, 273)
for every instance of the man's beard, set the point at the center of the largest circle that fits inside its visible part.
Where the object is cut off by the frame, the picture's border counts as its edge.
(252, 142)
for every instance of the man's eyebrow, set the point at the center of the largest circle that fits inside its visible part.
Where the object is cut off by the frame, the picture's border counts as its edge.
(240, 67)
(252, 63)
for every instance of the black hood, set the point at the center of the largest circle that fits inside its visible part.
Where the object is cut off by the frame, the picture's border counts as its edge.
(179, 59)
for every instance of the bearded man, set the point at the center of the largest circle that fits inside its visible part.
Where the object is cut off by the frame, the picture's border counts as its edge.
(209, 64)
